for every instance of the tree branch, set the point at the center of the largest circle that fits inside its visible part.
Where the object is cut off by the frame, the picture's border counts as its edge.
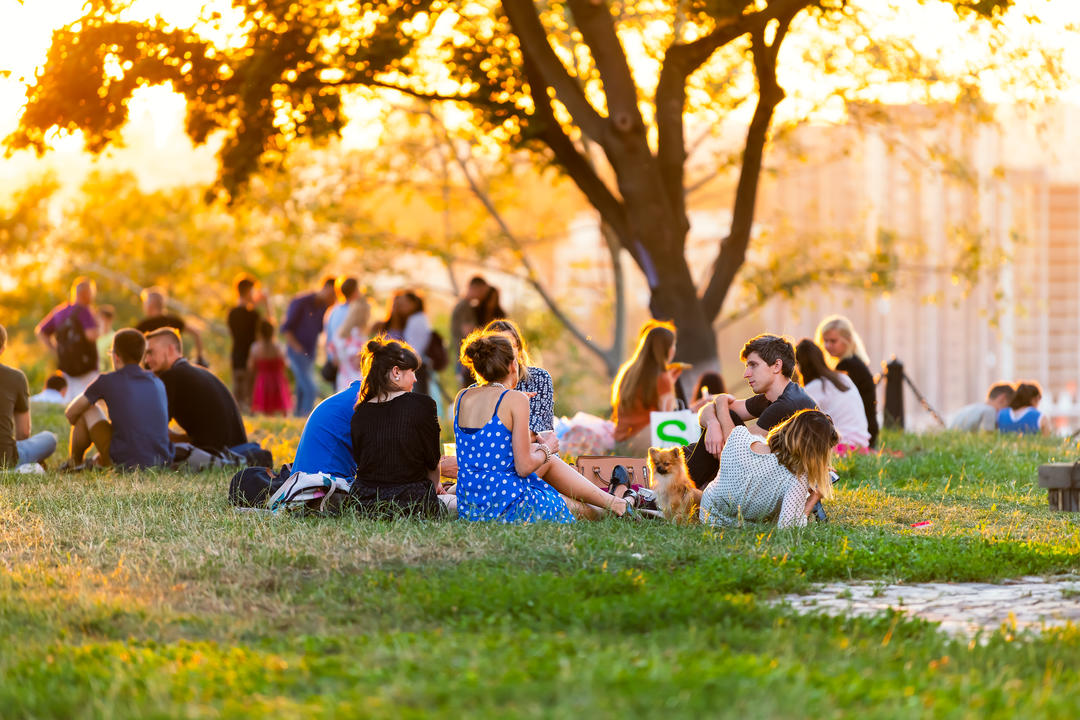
(531, 276)
(593, 18)
(578, 167)
(548, 70)
(680, 62)
(733, 248)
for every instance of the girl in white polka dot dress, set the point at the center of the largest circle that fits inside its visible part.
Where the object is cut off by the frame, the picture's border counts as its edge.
(497, 459)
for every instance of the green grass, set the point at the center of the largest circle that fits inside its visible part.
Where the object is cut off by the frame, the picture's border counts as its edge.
(145, 595)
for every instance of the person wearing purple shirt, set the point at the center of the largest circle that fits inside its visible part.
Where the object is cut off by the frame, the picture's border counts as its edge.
(301, 329)
(79, 374)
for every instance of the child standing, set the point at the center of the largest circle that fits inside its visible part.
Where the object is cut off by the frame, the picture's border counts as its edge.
(266, 364)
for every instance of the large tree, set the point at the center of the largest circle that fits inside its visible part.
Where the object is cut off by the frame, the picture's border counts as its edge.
(562, 79)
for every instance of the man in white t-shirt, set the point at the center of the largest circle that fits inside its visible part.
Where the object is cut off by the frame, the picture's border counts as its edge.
(983, 415)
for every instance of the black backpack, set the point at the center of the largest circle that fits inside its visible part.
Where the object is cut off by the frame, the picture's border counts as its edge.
(436, 352)
(253, 486)
(76, 353)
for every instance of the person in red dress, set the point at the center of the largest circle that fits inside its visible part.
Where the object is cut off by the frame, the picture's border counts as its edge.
(266, 363)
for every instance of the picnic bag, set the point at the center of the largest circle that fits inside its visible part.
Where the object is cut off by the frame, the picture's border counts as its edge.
(76, 353)
(597, 469)
(253, 486)
(436, 352)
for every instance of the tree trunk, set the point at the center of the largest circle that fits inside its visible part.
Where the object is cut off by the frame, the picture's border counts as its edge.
(673, 295)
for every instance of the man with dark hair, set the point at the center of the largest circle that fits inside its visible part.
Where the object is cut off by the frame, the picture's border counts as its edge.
(301, 329)
(70, 332)
(463, 322)
(199, 403)
(346, 289)
(17, 446)
(135, 433)
(983, 415)
(154, 302)
(55, 392)
(243, 321)
(770, 363)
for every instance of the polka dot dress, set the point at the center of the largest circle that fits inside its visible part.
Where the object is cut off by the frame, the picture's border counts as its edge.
(489, 487)
(752, 487)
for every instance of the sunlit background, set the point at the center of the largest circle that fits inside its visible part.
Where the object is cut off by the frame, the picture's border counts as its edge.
(793, 206)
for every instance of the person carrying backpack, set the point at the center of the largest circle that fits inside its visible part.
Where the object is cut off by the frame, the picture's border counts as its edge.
(70, 332)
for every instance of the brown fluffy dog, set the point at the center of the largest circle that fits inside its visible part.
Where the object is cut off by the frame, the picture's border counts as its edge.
(676, 495)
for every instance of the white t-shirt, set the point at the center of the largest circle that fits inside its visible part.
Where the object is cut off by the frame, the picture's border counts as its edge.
(975, 417)
(844, 407)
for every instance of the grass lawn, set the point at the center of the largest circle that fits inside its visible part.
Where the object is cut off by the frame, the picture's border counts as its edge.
(146, 595)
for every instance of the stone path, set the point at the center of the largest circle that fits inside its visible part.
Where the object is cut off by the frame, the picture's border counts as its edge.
(1033, 603)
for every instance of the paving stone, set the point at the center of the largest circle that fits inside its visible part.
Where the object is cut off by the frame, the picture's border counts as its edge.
(1033, 603)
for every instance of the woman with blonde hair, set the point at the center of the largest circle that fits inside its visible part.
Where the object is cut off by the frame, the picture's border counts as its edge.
(645, 382)
(779, 478)
(349, 341)
(845, 352)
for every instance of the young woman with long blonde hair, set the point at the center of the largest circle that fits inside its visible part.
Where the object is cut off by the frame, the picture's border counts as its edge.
(779, 478)
(844, 351)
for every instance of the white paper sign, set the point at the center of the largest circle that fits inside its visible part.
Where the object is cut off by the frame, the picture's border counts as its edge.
(674, 429)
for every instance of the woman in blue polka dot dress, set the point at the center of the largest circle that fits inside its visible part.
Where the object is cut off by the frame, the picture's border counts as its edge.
(497, 460)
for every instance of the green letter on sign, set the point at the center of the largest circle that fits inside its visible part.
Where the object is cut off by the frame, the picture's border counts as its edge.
(662, 432)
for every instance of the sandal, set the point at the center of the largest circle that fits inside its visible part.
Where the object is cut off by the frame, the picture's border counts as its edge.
(619, 476)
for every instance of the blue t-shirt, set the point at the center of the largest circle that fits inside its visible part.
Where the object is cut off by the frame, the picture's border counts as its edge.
(1025, 422)
(139, 413)
(304, 319)
(326, 443)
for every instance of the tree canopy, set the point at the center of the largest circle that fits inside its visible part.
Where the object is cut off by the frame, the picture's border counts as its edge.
(598, 89)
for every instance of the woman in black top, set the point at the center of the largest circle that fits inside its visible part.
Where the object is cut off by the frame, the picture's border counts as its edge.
(838, 338)
(395, 436)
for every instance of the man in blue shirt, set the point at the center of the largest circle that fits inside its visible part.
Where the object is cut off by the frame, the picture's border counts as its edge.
(136, 432)
(301, 329)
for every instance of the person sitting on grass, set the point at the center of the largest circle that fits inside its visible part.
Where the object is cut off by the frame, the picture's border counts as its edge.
(499, 463)
(1023, 415)
(770, 363)
(135, 433)
(198, 401)
(17, 446)
(536, 383)
(645, 383)
(835, 394)
(55, 392)
(395, 436)
(533, 381)
(779, 478)
(984, 415)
